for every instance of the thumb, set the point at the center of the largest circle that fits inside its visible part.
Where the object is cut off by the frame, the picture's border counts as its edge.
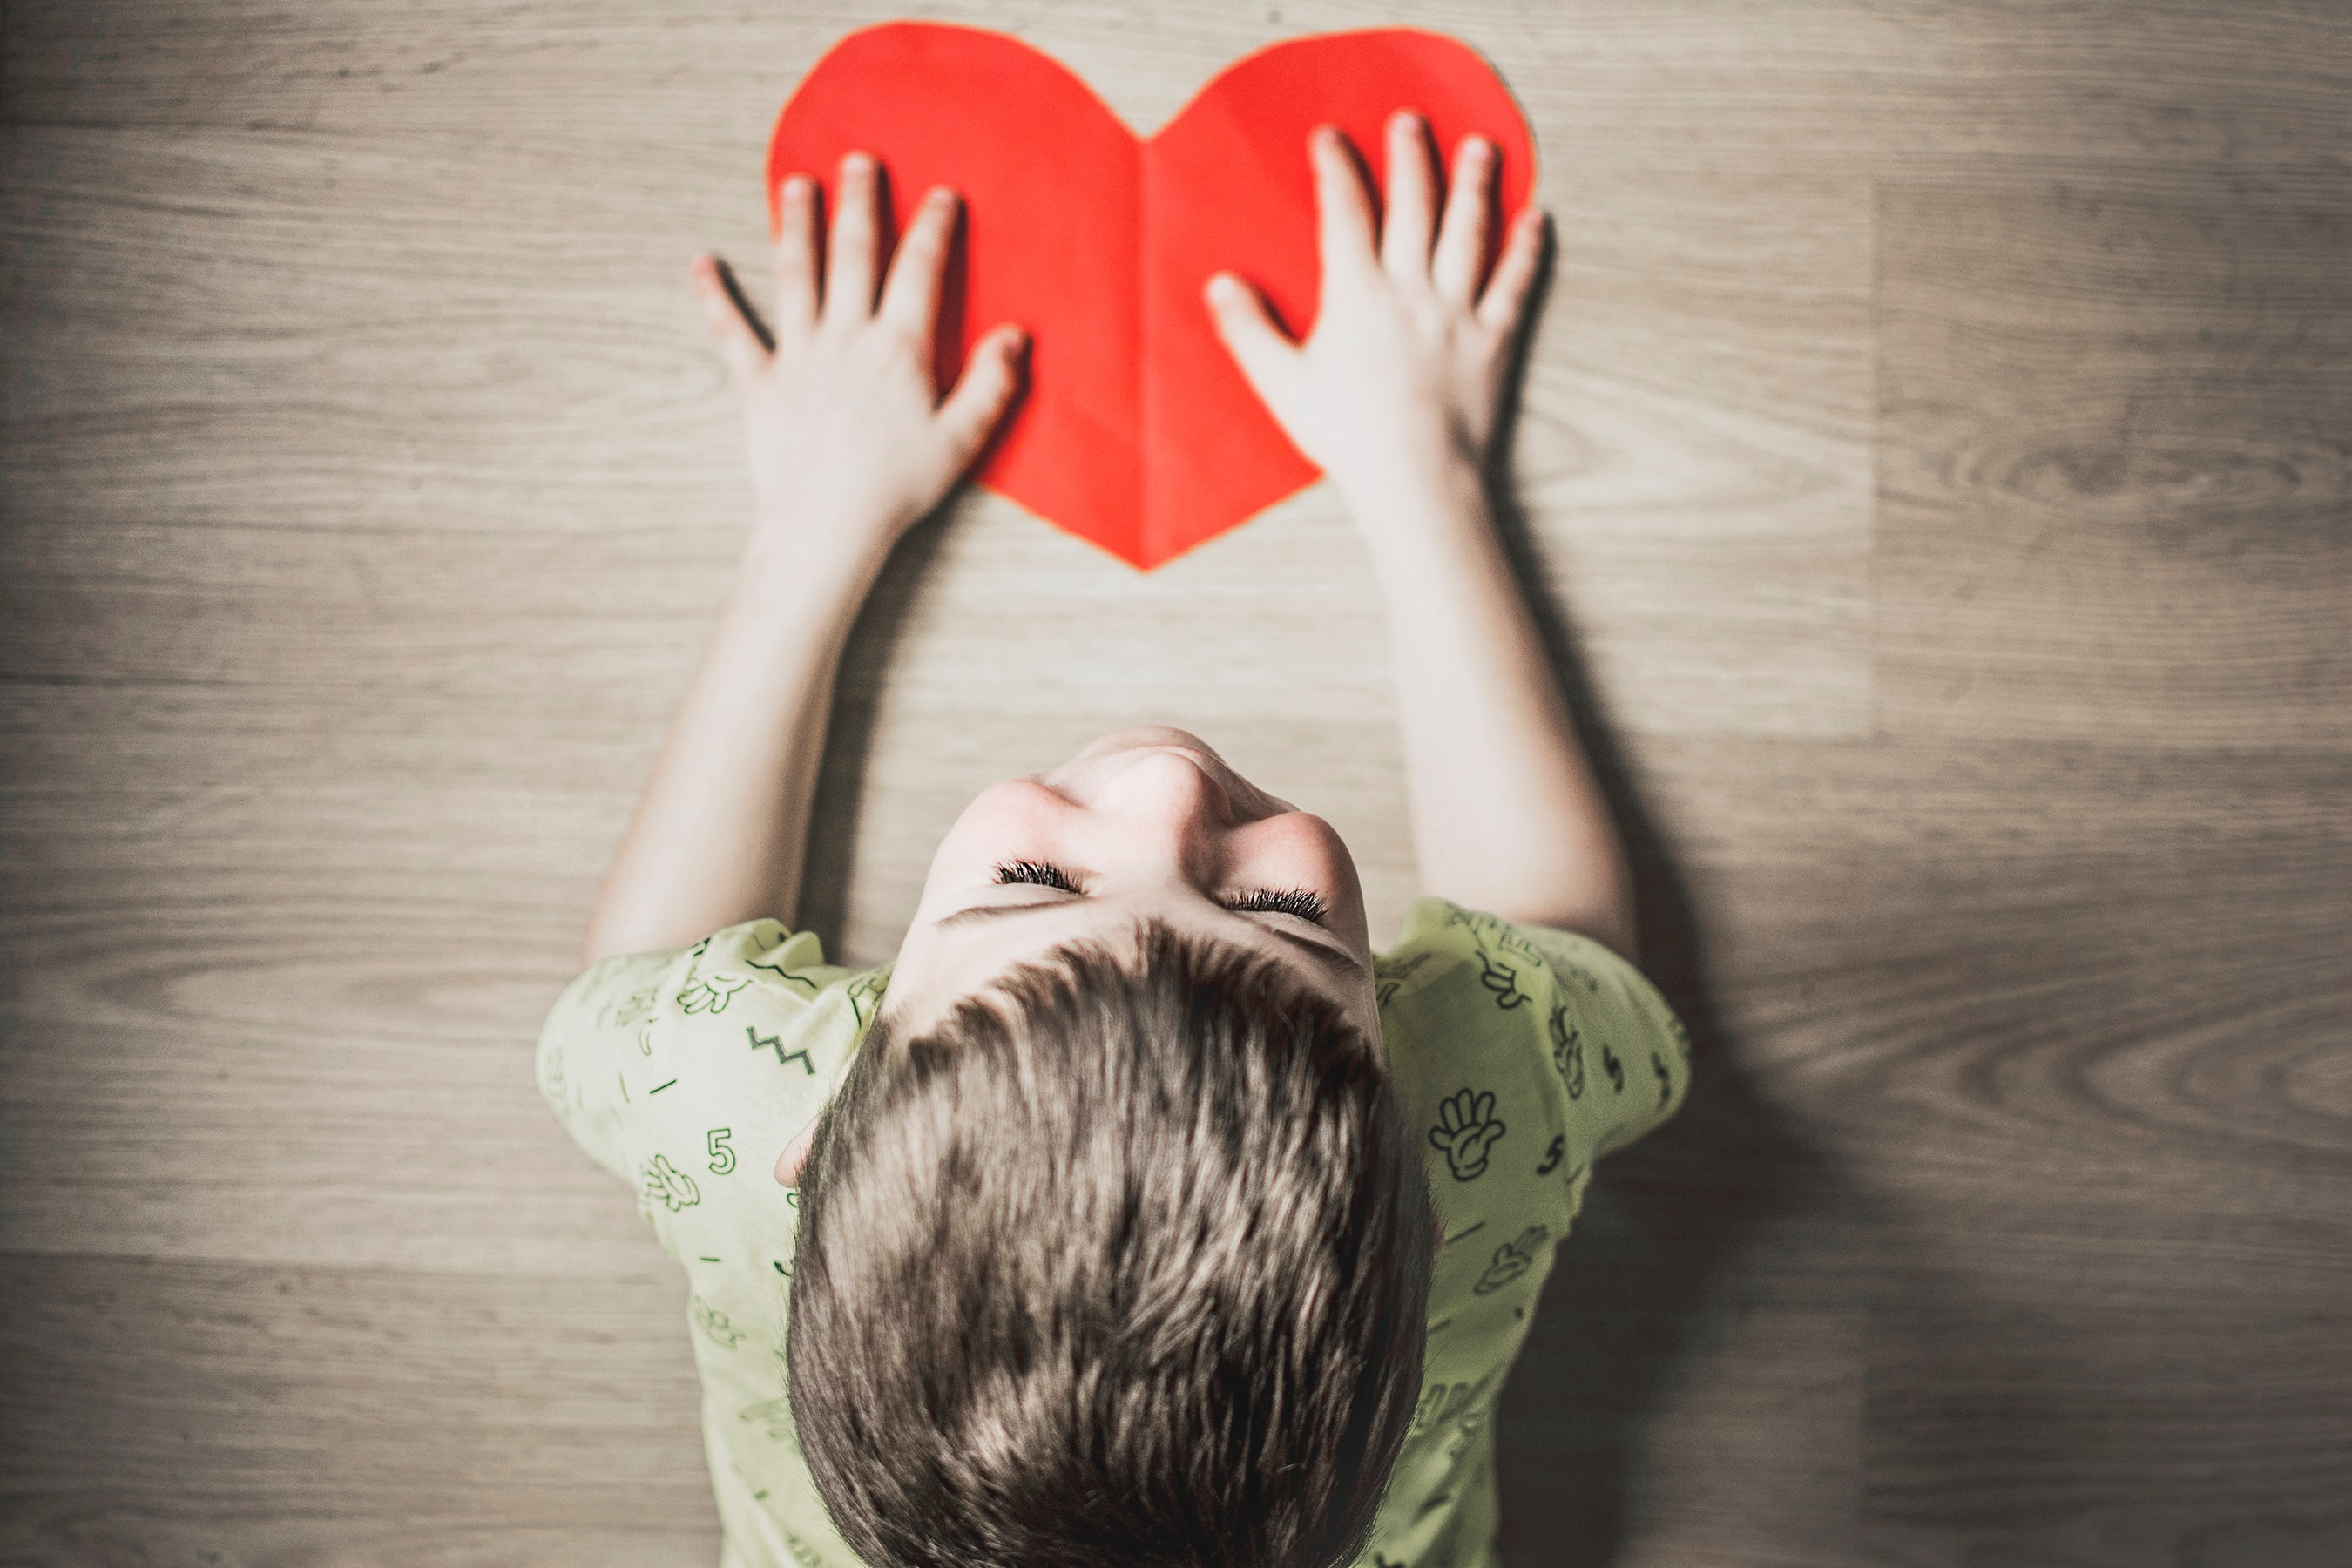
(1267, 357)
(739, 345)
(990, 374)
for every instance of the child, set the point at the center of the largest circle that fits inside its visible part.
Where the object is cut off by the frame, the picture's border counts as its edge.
(1137, 1212)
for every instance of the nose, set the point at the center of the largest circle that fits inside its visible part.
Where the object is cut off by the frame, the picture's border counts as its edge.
(1165, 794)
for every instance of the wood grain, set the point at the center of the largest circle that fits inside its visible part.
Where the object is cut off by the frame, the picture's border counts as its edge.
(1933, 456)
(322, 1414)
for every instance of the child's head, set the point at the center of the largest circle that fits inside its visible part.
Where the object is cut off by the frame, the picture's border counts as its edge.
(1145, 824)
(1115, 1246)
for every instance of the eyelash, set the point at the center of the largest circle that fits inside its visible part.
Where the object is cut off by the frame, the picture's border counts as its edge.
(1300, 901)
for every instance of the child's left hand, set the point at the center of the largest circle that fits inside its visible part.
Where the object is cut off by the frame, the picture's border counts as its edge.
(848, 441)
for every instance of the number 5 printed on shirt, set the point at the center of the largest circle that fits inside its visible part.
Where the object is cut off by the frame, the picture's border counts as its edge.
(722, 1158)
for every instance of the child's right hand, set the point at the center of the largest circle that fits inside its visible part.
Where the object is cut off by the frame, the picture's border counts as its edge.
(1399, 385)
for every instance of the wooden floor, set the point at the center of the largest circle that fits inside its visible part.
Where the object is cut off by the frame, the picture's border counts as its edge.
(1937, 452)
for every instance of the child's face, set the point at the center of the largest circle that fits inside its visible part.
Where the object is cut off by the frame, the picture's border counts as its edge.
(1144, 823)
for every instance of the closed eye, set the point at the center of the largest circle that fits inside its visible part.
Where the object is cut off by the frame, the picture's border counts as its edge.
(1303, 902)
(1035, 871)
(1306, 904)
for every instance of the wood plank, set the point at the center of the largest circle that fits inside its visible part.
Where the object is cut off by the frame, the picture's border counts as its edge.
(1932, 447)
(1684, 81)
(2116, 467)
(2182, 1404)
(1705, 506)
(226, 1412)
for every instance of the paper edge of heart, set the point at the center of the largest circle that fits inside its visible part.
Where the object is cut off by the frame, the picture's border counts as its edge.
(1145, 558)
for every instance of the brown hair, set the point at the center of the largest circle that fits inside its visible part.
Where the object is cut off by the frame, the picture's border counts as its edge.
(1125, 1262)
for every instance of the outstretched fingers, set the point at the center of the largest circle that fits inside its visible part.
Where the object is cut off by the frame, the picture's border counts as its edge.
(857, 235)
(1506, 300)
(1343, 209)
(1412, 200)
(911, 296)
(1462, 238)
(796, 262)
(1267, 358)
(991, 376)
(737, 341)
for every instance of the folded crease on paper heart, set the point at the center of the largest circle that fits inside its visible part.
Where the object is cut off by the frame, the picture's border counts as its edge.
(1136, 430)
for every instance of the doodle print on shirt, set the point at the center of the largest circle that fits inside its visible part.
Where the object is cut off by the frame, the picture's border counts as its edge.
(1502, 980)
(1665, 1080)
(775, 1043)
(1466, 1129)
(1581, 976)
(1512, 1259)
(774, 1416)
(863, 990)
(635, 1008)
(1568, 1052)
(717, 1324)
(779, 971)
(1444, 1402)
(712, 992)
(669, 1187)
(1392, 974)
(1616, 1068)
(1553, 1154)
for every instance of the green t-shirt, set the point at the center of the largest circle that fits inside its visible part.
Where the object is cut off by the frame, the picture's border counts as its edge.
(1526, 1054)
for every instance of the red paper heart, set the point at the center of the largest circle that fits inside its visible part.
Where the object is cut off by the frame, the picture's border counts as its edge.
(1137, 430)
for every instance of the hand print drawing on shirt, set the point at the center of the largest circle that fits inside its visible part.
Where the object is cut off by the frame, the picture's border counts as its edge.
(712, 992)
(717, 1324)
(775, 1043)
(666, 1185)
(1466, 1129)
(1568, 1052)
(1502, 980)
(1512, 1259)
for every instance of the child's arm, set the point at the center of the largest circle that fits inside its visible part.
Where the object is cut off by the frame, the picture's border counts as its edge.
(848, 445)
(1396, 395)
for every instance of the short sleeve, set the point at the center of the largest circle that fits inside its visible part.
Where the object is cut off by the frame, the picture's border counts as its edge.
(1598, 1046)
(1622, 1054)
(750, 1017)
(600, 1026)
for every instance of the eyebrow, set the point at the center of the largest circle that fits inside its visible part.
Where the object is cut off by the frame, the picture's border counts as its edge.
(1335, 959)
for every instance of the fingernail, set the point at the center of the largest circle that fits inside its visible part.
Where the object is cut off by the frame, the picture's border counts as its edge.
(940, 196)
(857, 164)
(795, 186)
(1476, 148)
